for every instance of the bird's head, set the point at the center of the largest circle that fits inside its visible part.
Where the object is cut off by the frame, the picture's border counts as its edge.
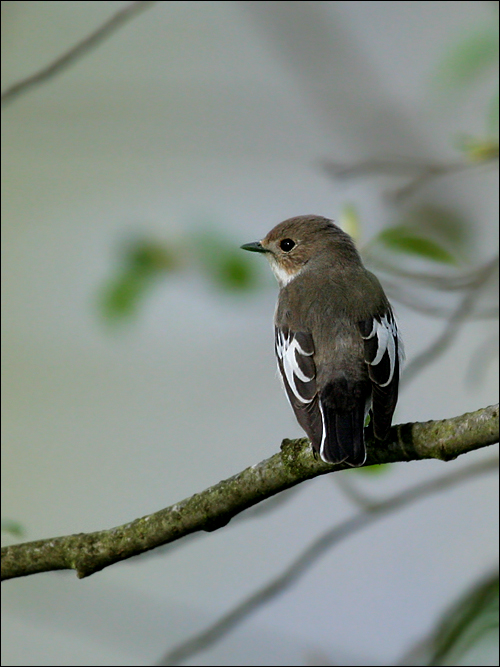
(293, 243)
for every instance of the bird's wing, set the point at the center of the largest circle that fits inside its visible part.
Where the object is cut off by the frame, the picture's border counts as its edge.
(294, 352)
(333, 420)
(384, 354)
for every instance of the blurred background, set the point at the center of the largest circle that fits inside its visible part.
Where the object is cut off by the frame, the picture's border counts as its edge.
(138, 363)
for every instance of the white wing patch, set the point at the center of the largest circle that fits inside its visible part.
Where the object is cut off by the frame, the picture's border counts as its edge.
(323, 434)
(388, 341)
(289, 351)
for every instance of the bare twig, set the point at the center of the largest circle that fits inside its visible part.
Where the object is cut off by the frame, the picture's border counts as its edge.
(213, 508)
(485, 352)
(77, 51)
(360, 499)
(456, 282)
(315, 550)
(460, 314)
(442, 342)
(396, 293)
(387, 167)
(420, 173)
(399, 194)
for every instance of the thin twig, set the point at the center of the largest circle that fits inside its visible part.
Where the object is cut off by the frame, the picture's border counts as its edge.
(452, 328)
(456, 282)
(315, 550)
(69, 57)
(387, 167)
(442, 342)
(396, 293)
(360, 499)
(420, 172)
(485, 352)
(399, 194)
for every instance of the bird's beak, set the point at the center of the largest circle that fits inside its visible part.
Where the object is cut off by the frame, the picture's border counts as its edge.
(256, 246)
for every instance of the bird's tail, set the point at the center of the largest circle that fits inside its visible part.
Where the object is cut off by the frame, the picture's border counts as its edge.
(342, 407)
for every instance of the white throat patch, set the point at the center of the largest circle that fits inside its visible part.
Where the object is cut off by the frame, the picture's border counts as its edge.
(282, 276)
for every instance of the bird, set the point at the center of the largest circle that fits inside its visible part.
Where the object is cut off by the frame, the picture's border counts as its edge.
(337, 343)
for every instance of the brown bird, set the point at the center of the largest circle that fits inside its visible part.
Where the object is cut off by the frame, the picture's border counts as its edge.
(336, 340)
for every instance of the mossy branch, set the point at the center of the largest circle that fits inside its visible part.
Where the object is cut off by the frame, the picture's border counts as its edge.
(213, 508)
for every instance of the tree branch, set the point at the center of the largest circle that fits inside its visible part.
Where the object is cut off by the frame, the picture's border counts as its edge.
(301, 564)
(77, 51)
(213, 508)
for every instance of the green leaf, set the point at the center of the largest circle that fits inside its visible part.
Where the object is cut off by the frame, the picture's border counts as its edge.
(235, 273)
(141, 263)
(471, 57)
(121, 296)
(441, 224)
(404, 239)
(372, 471)
(223, 261)
(144, 256)
(478, 150)
(467, 623)
(13, 527)
(350, 222)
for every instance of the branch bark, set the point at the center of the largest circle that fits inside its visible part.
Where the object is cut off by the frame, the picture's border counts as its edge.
(213, 508)
(371, 513)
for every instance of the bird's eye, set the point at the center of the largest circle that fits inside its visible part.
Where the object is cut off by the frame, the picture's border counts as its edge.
(287, 244)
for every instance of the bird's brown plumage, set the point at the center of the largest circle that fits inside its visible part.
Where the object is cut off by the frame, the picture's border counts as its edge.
(337, 344)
